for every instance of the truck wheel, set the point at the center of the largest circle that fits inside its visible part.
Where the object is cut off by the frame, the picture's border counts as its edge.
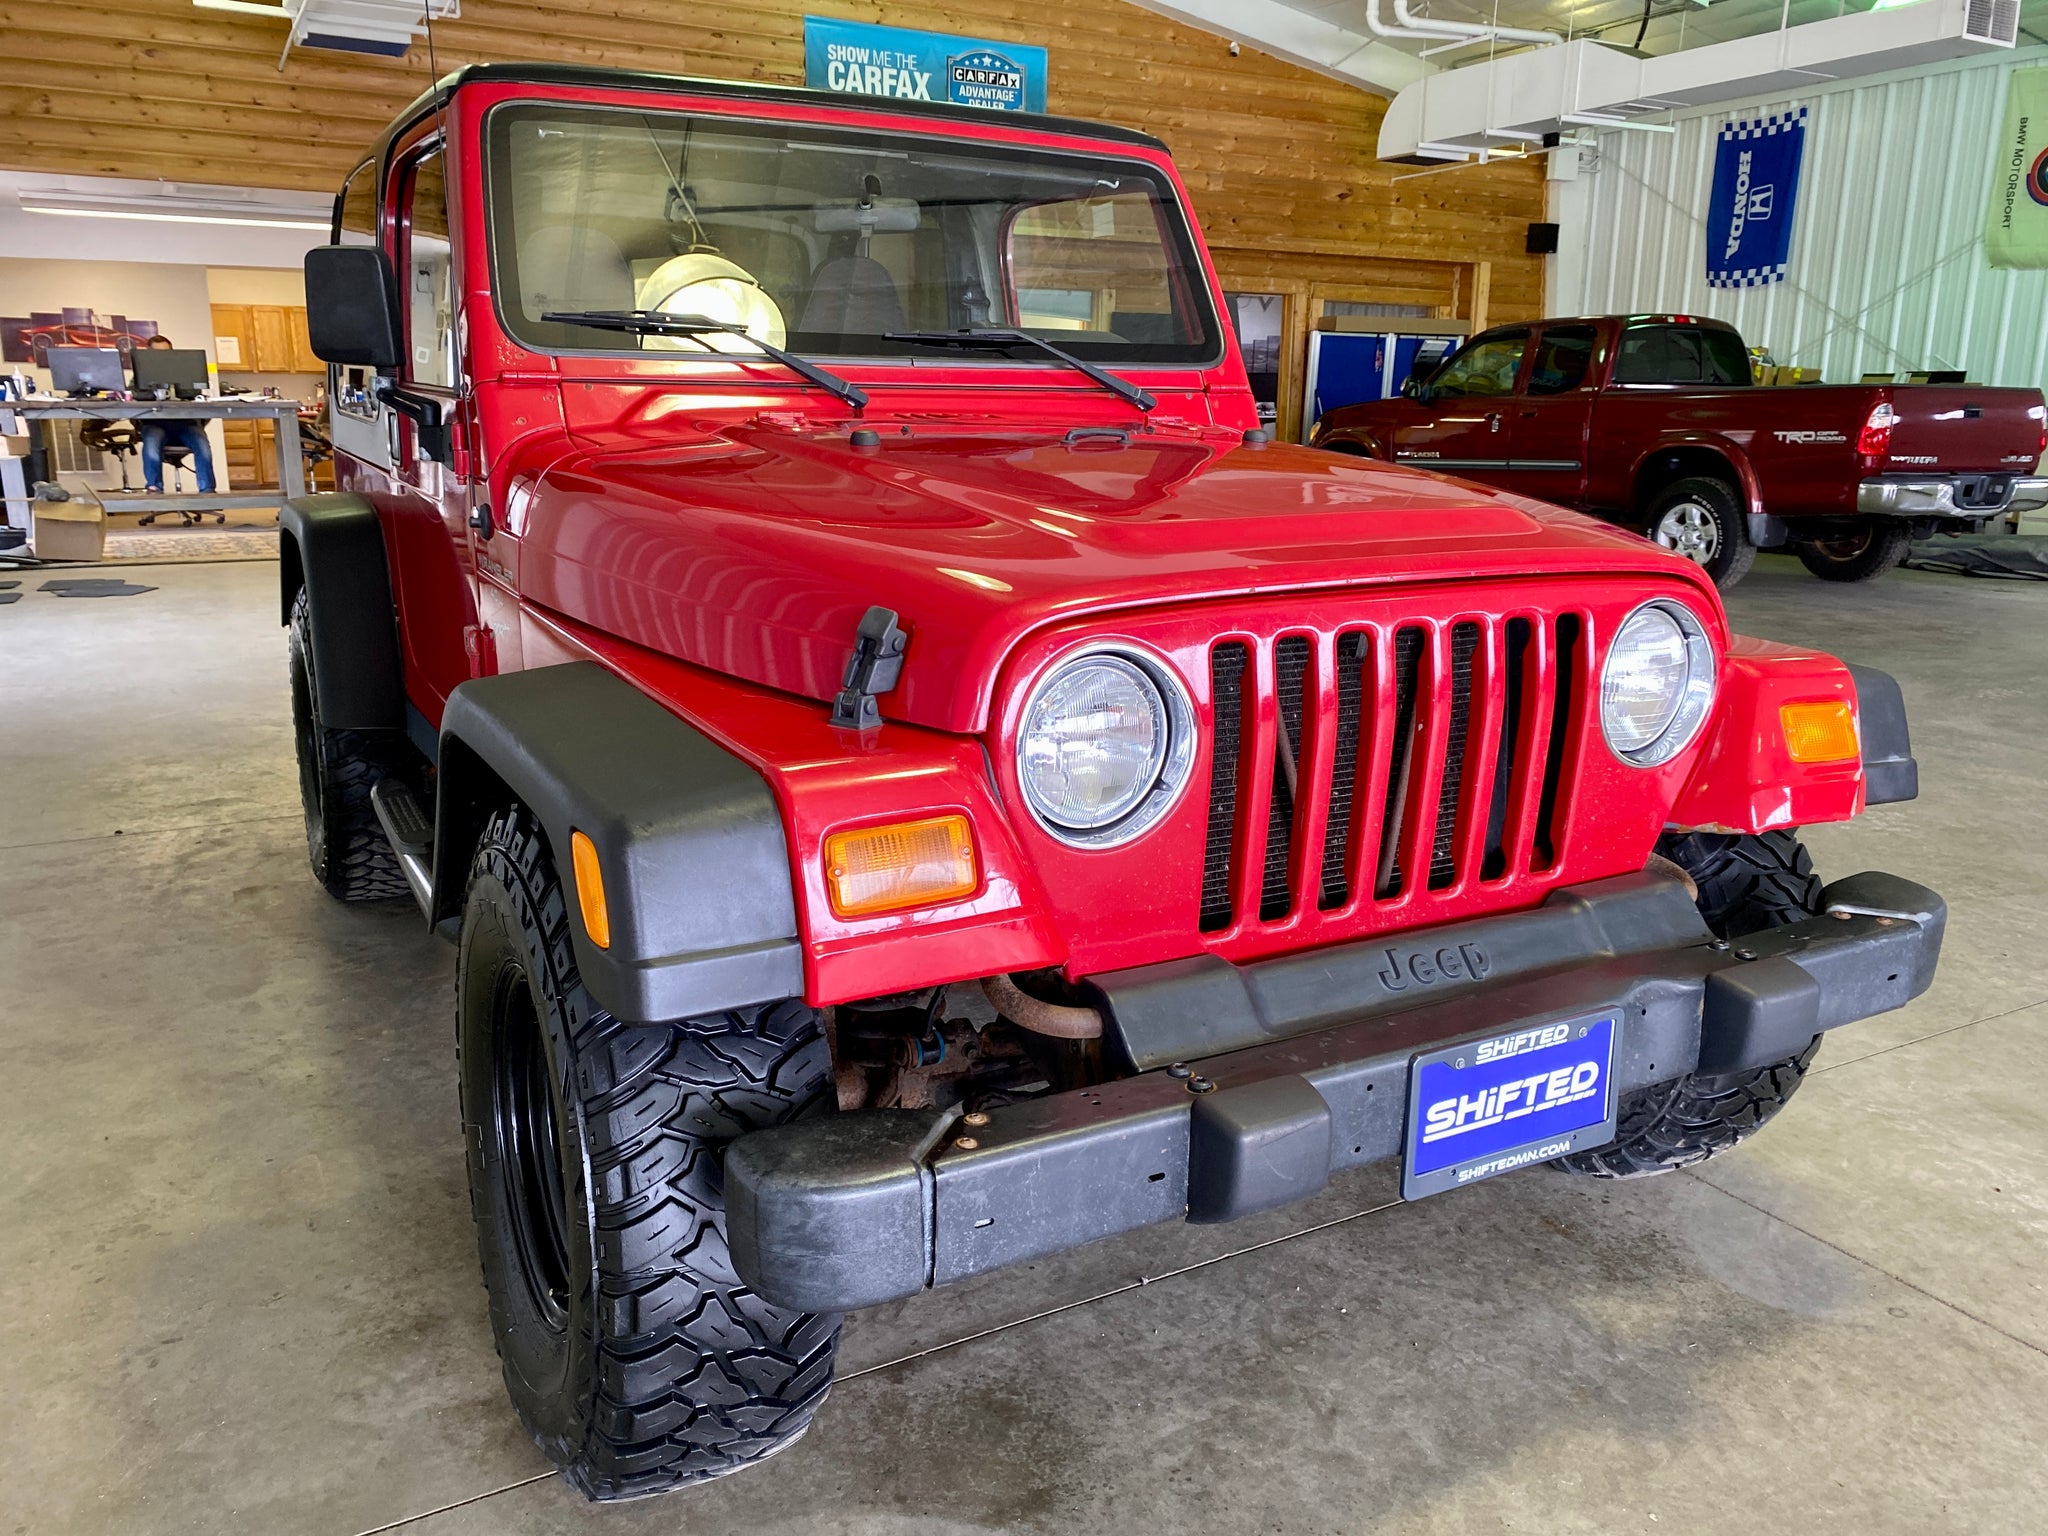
(1861, 552)
(337, 770)
(1702, 519)
(1746, 883)
(633, 1353)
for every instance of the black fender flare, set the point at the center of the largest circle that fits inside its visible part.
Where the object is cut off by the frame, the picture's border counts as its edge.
(1889, 772)
(689, 838)
(332, 545)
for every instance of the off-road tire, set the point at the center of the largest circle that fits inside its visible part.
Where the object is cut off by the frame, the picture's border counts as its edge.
(633, 1353)
(1864, 551)
(345, 843)
(1721, 503)
(1746, 884)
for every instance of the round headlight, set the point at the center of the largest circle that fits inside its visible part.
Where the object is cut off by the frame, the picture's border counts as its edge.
(1104, 747)
(1657, 684)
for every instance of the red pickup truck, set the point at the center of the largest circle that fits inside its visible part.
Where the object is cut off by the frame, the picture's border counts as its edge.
(1652, 421)
(918, 781)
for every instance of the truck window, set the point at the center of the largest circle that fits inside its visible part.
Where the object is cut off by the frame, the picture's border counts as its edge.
(1681, 354)
(825, 240)
(1658, 354)
(1724, 359)
(426, 261)
(1487, 367)
(1563, 354)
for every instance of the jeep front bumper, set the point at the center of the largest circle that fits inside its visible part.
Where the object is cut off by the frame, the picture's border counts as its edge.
(1268, 1077)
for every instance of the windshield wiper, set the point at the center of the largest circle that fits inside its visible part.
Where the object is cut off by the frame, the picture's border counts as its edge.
(649, 322)
(994, 340)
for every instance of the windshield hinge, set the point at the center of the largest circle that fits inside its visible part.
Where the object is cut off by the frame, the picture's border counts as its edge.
(876, 663)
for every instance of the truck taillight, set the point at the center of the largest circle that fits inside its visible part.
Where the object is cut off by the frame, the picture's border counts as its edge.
(1875, 440)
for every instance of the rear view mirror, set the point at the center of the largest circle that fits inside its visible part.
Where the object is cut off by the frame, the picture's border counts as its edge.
(881, 215)
(352, 306)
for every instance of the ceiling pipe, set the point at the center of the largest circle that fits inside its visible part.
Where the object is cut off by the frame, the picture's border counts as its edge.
(1470, 29)
(1429, 27)
(1379, 28)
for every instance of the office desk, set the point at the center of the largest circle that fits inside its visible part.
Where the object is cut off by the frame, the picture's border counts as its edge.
(291, 468)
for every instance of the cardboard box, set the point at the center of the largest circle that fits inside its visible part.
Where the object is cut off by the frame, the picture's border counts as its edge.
(70, 530)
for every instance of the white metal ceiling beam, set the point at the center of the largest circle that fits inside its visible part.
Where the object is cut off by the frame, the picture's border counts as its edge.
(1546, 90)
(1302, 39)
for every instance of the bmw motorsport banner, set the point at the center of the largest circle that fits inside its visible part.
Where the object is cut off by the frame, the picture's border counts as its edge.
(865, 60)
(2017, 234)
(1756, 187)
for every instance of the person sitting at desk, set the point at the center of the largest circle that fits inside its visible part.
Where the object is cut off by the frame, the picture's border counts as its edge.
(187, 432)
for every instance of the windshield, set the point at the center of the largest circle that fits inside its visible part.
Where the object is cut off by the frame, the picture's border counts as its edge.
(826, 241)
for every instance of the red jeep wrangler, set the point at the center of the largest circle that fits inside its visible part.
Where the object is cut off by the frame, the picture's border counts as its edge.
(917, 782)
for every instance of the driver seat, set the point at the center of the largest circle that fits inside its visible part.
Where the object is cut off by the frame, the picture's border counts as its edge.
(853, 296)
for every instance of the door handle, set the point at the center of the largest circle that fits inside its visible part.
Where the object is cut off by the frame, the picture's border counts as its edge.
(480, 520)
(1493, 421)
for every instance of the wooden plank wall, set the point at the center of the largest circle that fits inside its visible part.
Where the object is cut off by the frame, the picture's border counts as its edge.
(1279, 160)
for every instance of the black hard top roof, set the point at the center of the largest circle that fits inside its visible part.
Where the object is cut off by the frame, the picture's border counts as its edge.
(743, 90)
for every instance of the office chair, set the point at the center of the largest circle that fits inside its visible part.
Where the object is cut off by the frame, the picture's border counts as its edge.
(176, 457)
(118, 438)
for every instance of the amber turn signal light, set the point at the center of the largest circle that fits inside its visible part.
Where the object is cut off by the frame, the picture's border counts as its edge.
(597, 920)
(907, 864)
(1820, 732)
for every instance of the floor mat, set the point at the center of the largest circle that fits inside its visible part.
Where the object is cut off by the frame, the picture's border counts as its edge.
(93, 586)
(214, 544)
(2021, 557)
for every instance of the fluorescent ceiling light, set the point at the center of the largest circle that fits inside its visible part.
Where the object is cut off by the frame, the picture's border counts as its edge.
(171, 211)
(247, 7)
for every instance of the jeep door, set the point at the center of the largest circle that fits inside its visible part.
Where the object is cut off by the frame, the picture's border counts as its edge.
(433, 466)
(1462, 425)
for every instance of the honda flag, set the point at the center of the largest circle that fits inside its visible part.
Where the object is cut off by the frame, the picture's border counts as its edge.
(1756, 186)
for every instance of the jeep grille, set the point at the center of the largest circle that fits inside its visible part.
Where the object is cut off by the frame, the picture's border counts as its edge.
(1448, 743)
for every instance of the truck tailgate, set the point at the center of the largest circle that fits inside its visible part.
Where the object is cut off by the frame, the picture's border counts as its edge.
(1965, 428)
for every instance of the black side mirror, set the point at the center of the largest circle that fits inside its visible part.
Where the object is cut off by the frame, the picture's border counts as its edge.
(352, 306)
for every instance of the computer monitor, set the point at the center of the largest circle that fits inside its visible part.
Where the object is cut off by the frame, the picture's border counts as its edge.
(164, 371)
(86, 371)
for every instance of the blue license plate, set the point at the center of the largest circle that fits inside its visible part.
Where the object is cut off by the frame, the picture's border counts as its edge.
(1490, 1106)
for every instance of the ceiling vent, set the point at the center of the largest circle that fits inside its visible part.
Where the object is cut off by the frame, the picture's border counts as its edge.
(1470, 113)
(1994, 21)
(384, 27)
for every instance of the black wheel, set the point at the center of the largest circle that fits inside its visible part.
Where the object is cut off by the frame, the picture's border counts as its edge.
(1746, 884)
(337, 770)
(1703, 519)
(1862, 551)
(632, 1351)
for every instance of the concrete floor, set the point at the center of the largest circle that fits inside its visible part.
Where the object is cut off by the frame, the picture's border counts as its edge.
(243, 1293)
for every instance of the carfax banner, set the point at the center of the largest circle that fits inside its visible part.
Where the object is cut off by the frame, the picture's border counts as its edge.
(1756, 187)
(2017, 234)
(865, 60)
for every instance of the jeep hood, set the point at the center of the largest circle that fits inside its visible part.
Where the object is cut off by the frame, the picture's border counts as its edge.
(755, 552)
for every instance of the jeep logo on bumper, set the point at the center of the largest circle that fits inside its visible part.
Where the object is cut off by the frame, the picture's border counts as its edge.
(1426, 967)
